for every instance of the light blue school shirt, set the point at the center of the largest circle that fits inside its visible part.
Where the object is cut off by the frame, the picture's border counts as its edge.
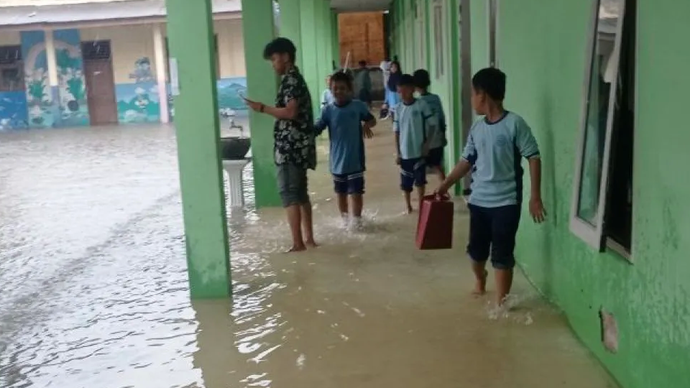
(434, 101)
(495, 151)
(415, 124)
(344, 125)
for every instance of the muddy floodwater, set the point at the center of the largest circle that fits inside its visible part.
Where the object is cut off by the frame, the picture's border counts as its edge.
(93, 285)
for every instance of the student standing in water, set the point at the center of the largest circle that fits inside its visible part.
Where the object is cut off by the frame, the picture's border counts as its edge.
(434, 160)
(294, 148)
(494, 148)
(414, 128)
(349, 122)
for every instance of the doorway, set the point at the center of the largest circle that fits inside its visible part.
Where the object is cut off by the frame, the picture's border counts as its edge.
(100, 82)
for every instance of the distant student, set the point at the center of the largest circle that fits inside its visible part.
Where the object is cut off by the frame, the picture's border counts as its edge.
(363, 81)
(392, 98)
(327, 95)
(493, 151)
(349, 122)
(438, 142)
(414, 125)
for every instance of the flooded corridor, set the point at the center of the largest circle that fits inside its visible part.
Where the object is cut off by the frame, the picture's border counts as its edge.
(93, 288)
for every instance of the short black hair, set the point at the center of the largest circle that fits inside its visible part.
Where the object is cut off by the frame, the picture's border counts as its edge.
(280, 46)
(362, 63)
(406, 80)
(341, 76)
(421, 79)
(492, 82)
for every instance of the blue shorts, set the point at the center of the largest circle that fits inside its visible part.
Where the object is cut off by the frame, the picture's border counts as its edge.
(412, 173)
(435, 157)
(349, 183)
(492, 233)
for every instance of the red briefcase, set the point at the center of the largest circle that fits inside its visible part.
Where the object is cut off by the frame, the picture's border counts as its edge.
(435, 224)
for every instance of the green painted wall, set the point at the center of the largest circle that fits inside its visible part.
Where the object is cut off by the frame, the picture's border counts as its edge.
(190, 30)
(650, 299)
(542, 49)
(290, 24)
(262, 86)
(409, 35)
(480, 34)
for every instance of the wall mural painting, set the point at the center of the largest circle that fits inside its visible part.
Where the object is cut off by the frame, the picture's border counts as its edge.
(39, 95)
(13, 110)
(74, 110)
(139, 102)
(230, 102)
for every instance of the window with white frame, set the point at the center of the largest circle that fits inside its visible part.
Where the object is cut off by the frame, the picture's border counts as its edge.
(439, 46)
(601, 211)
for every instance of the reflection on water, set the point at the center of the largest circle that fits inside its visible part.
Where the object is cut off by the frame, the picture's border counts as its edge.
(93, 287)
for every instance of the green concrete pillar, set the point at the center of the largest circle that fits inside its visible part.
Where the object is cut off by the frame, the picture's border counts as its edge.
(323, 36)
(309, 47)
(190, 33)
(262, 85)
(290, 24)
(328, 29)
(335, 35)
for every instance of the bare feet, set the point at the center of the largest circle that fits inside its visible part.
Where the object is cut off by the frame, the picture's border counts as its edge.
(480, 286)
(296, 248)
(311, 243)
(409, 210)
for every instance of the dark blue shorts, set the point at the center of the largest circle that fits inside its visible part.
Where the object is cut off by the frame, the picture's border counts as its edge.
(412, 173)
(435, 157)
(492, 232)
(349, 183)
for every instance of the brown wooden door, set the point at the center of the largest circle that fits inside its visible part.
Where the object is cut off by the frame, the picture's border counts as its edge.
(100, 91)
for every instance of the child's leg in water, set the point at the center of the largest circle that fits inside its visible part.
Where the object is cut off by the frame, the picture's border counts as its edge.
(357, 203)
(480, 274)
(421, 190)
(408, 201)
(343, 206)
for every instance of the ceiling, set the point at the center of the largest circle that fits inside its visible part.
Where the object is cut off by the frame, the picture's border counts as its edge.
(360, 5)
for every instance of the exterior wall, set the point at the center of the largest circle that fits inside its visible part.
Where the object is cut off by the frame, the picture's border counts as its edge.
(8, 38)
(413, 35)
(13, 103)
(650, 297)
(361, 34)
(541, 45)
(230, 48)
(71, 102)
(133, 59)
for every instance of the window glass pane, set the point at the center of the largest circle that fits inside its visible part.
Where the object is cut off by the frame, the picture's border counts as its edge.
(603, 69)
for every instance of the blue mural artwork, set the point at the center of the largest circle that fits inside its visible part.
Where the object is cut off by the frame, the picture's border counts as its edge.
(142, 71)
(74, 110)
(229, 90)
(230, 102)
(13, 110)
(39, 96)
(138, 103)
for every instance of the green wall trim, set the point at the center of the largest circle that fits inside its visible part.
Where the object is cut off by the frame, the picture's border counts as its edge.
(190, 31)
(290, 24)
(262, 85)
(456, 105)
